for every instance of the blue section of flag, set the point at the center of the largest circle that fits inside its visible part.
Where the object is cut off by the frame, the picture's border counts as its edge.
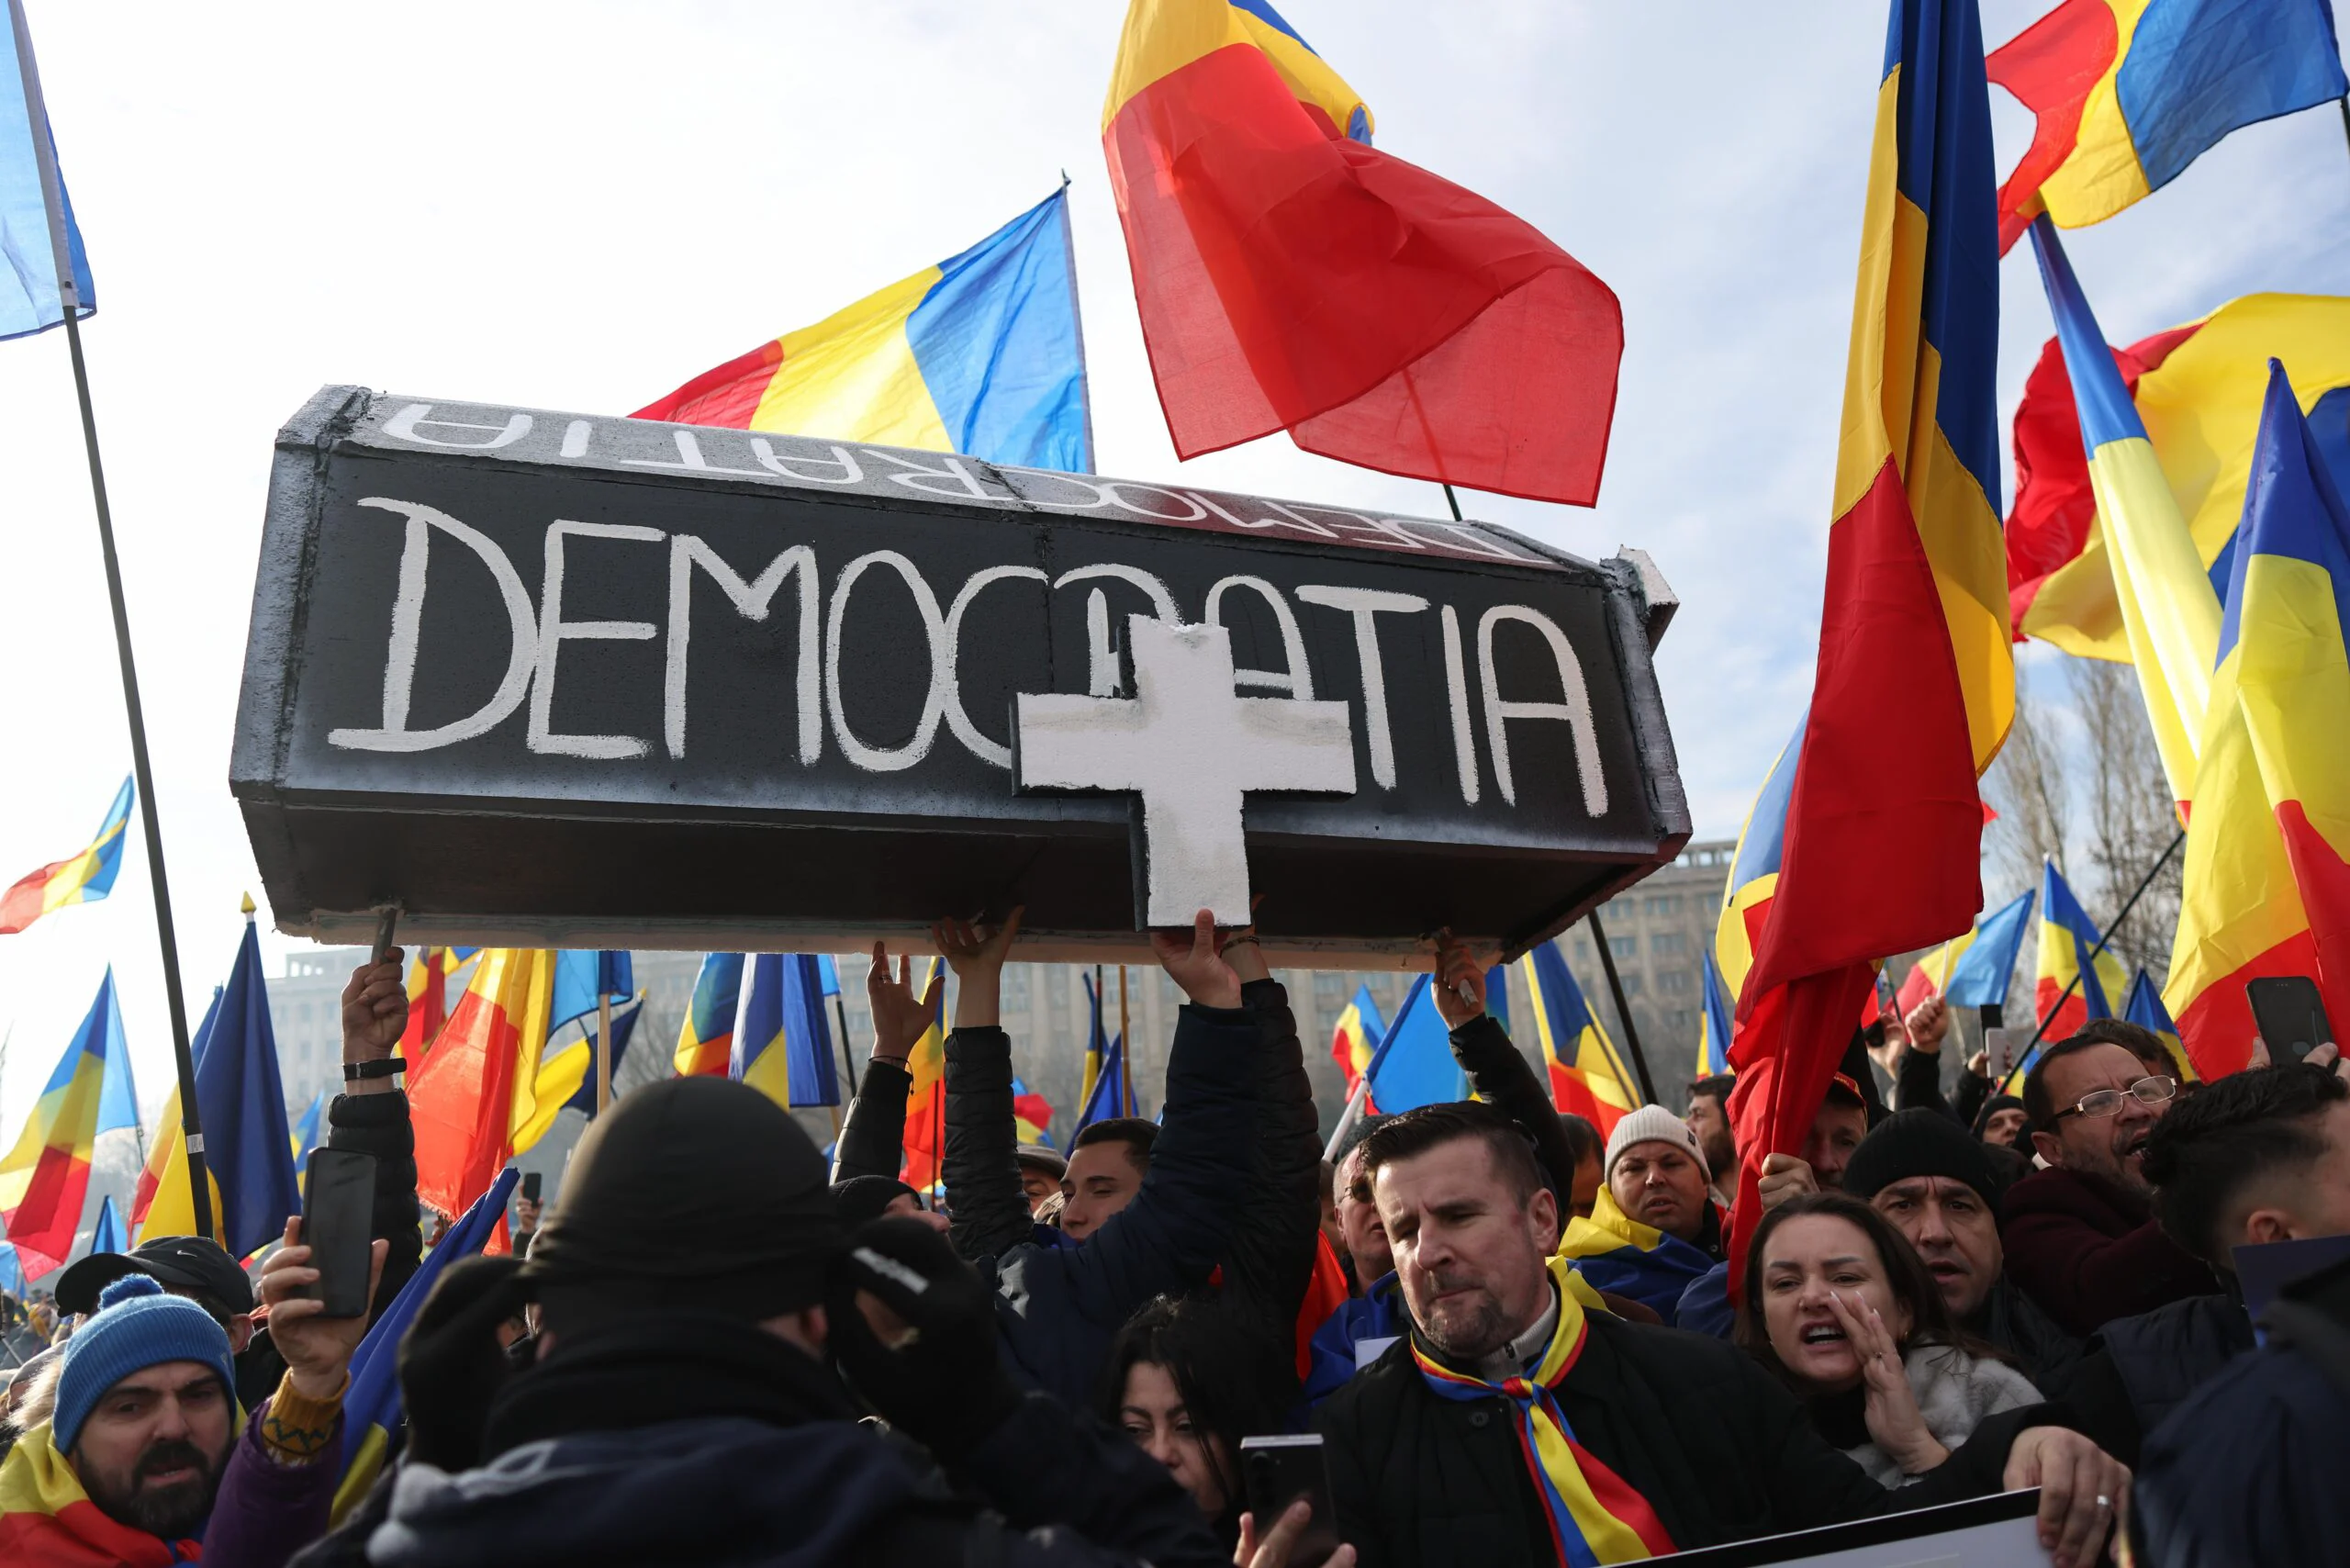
(1980, 977)
(29, 301)
(107, 1235)
(999, 346)
(1497, 994)
(308, 1133)
(373, 1398)
(624, 1018)
(1108, 1099)
(830, 973)
(2059, 907)
(241, 1105)
(2198, 68)
(808, 1033)
(1414, 1065)
(582, 975)
(1713, 1044)
(118, 1100)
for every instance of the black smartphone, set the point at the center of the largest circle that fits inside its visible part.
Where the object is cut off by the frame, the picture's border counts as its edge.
(2290, 1014)
(531, 1187)
(1275, 1472)
(338, 1211)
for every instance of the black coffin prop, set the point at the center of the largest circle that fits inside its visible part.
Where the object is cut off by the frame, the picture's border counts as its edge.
(546, 680)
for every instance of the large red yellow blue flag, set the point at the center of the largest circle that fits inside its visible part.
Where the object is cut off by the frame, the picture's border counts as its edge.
(2266, 889)
(1290, 278)
(44, 1178)
(2197, 391)
(428, 998)
(1754, 870)
(784, 1047)
(1586, 1076)
(979, 354)
(926, 1141)
(480, 1088)
(706, 1040)
(2126, 93)
(1915, 616)
(80, 879)
(2071, 959)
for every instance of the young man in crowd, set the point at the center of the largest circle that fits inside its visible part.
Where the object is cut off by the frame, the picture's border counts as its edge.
(2258, 1156)
(1929, 1176)
(691, 1284)
(1708, 1118)
(2080, 1236)
(1440, 1445)
(1146, 1231)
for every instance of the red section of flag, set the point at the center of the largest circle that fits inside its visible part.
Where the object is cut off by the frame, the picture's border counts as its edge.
(2060, 1020)
(1571, 1094)
(1326, 1292)
(1919, 986)
(2217, 1028)
(1291, 278)
(2050, 67)
(925, 1138)
(2049, 523)
(2324, 881)
(461, 1099)
(726, 397)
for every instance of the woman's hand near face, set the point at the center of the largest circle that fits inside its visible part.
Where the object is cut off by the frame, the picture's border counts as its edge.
(1891, 1411)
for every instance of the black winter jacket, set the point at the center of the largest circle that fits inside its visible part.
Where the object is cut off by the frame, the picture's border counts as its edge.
(1718, 1448)
(1060, 1302)
(2140, 1369)
(1499, 1073)
(1271, 1257)
(2042, 1352)
(873, 1133)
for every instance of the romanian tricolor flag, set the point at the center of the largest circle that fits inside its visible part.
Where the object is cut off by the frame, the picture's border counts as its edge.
(80, 878)
(2167, 609)
(1915, 617)
(582, 1099)
(1617, 1253)
(706, 1040)
(2145, 1009)
(478, 1090)
(47, 1519)
(1714, 1021)
(1355, 1037)
(371, 1401)
(1290, 278)
(1031, 1115)
(784, 1048)
(1587, 1078)
(979, 354)
(2071, 958)
(925, 1144)
(1973, 970)
(428, 998)
(2126, 93)
(45, 1177)
(1754, 870)
(2197, 391)
(2266, 891)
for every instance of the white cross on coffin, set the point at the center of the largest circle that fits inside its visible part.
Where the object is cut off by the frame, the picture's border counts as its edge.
(1192, 750)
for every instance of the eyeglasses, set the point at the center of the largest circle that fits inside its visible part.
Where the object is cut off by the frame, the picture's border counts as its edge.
(2108, 1102)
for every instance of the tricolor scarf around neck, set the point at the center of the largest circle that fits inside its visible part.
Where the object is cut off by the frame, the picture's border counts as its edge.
(1616, 1252)
(1594, 1517)
(47, 1517)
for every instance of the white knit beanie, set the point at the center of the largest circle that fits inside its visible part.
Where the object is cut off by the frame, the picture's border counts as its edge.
(1652, 1124)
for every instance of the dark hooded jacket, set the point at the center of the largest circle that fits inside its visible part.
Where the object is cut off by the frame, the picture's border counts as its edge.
(1059, 1302)
(699, 1440)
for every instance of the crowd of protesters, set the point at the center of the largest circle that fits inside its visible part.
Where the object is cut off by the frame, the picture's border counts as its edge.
(1517, 1341)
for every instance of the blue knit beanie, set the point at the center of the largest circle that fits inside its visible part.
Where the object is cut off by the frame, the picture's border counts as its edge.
(137, 1325)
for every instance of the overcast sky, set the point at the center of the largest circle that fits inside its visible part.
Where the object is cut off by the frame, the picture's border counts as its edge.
(577, 205)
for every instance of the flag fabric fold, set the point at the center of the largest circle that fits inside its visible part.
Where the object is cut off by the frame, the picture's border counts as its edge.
(1355, 1037)
(1031, 1115)
(107, 1235)
(2068, 938)
(80, 879)
(2125, 93)
(926, 1138)
(2266, 888)
(1715, 1032)
(241, 1105)
(479, 1089)
(1587, 1077)
(625, 1015)
(30, 301)
(1413, 1066)
(1981, 975)
(1292, 278)
(1617, 1253)
(784, 1048)
(980, 355)
(1914, 618)
(45, 1178)
(2145, 1009)
(1755, 868)
(706, 1039)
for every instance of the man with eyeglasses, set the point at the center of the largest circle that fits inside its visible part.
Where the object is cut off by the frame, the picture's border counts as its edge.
(2080, 1236)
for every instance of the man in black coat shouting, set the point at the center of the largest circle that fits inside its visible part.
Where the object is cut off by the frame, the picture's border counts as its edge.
(1519, 1419)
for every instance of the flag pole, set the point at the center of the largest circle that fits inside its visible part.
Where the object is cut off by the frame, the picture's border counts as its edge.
(1125, 1050)
(840, 1019)
(603, 1049)
(70, 298)
(2103, 937)
(1616, 990)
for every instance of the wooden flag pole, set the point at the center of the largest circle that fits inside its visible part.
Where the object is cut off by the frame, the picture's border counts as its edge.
(70, 298)
(1126, 1051)
(603, 1051)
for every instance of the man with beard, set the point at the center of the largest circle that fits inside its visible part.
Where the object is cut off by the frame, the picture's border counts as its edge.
(1520, 1425)
(2080, 1236)
(125, 1470)
(1933, 1182)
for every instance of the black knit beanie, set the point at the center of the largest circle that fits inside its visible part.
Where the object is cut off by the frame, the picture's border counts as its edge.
(1918, 1142)
(861, 1198)
(694, 1194)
